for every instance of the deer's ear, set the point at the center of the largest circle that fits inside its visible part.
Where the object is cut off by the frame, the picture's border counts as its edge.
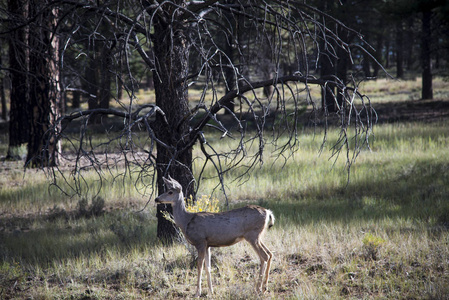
(167, 183)
(176, 185)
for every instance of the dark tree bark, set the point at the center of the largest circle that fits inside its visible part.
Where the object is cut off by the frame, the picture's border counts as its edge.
(327, 91)
(76, 99)
(2, 95)
(342, 73)
(230, 52)
(18, 63)
(366, 65)
(387, 52)
(172, 97)
(409, 43)
(427, 91)
(379, 45)
(399, 50)
(90, 83)
(44, 87)
(327, 68)
(105, 74)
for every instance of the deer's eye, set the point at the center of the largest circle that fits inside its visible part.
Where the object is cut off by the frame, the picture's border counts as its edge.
(170, 192)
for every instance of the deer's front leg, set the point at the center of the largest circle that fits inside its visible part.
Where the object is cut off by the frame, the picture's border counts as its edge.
(201, 255)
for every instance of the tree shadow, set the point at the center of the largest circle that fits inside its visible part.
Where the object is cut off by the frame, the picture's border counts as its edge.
(67, 235)
(418, 192)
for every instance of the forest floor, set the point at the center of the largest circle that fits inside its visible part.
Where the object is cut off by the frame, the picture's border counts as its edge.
(412, 111)
(383, 235)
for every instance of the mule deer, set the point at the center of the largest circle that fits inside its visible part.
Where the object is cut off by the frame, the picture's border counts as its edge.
(204, 230)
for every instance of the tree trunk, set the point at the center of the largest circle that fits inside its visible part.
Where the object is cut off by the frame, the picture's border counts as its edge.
(76, 99)
(409, 44)
(105, 81)
(18, 63)
(44, 88)
(230, 78)
(342, 72)
(366, 63)
(328, 91)
(427, 92)
(90, 84)
(387, 52)
(399, 50)
(3, 99)
(2, 95)
(171, 96)
(327, 69)
(378, 53)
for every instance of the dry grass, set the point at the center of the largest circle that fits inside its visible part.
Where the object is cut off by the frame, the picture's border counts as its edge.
(392, 90)
(382, 236)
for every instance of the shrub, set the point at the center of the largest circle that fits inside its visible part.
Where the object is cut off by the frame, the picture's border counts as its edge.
(371, 244)
(204, 203)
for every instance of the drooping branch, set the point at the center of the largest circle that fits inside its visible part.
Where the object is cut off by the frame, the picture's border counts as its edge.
(220, 104)
(238, 46)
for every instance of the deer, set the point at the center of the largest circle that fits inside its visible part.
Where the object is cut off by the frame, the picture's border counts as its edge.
(205, 230)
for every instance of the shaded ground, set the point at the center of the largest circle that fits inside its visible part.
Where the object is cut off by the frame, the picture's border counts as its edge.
(388, 112)
(412, 111)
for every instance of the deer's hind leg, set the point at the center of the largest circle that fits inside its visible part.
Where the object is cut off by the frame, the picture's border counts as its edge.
(265, 261)
(267, 270)
(208, 267)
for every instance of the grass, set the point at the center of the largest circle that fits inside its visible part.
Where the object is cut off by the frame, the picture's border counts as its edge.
(383, 235)
(387, 90)
(380, 91)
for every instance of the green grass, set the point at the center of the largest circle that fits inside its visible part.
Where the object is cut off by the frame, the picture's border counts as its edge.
(383, 235)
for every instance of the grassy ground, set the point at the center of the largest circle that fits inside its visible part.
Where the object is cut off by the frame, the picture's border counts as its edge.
(383, 235)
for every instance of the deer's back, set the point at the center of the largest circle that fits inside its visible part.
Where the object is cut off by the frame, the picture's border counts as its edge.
(226, 228)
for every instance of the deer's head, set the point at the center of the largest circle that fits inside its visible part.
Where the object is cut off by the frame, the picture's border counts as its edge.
(171, 195)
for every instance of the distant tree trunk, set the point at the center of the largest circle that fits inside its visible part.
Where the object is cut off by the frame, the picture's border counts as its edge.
(2, 95)
(387, 53)
(76, 99)
(172, 98)
(366, 66)
(409, 44)
(231, 53)
(105, 80)
(378, 52)
(44, 87)
(342, 72)
(327, 69)
(327, 91)
(399, 50)
(427, 92)
(90, 83)
(18, 64)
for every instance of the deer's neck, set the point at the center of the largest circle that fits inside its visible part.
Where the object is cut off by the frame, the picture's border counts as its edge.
(180, 214)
